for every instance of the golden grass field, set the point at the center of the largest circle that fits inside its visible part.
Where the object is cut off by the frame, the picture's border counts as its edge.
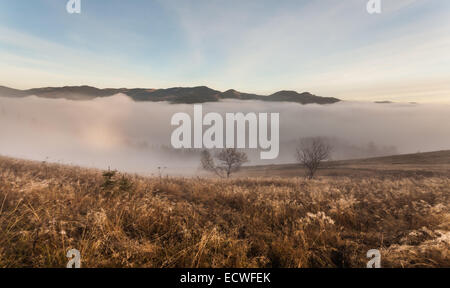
(122, 220)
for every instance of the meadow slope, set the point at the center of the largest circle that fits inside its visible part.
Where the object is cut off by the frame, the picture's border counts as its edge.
(122, 220)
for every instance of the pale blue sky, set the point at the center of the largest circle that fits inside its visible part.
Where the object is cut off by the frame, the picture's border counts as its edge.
(328, 47)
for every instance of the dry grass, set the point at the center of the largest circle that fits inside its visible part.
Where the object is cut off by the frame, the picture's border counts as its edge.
(130, 221)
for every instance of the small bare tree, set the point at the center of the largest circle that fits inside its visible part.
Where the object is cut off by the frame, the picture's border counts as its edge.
(208, 164)
(311, 152)
(229, 161)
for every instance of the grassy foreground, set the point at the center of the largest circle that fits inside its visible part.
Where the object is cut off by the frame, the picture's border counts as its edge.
(120, 220)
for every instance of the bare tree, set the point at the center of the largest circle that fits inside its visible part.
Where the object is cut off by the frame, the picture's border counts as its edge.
(208, 164)
(229, 161)
(311, 152)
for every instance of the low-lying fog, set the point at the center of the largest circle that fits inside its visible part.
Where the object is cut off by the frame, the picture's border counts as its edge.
(135, 136)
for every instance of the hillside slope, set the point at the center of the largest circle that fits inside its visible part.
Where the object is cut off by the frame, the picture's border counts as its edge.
(426, 164)
(120, 220)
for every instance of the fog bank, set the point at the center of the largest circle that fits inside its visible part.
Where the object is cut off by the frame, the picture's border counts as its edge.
(135, 136)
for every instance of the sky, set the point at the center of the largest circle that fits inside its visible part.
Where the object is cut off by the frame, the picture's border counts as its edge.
(330, 48)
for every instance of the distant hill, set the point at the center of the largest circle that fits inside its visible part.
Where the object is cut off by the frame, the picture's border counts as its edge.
(428, 164)
(185, 95)
(425, 158)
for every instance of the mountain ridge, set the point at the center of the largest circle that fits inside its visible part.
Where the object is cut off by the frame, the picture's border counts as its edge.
(174, 95)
